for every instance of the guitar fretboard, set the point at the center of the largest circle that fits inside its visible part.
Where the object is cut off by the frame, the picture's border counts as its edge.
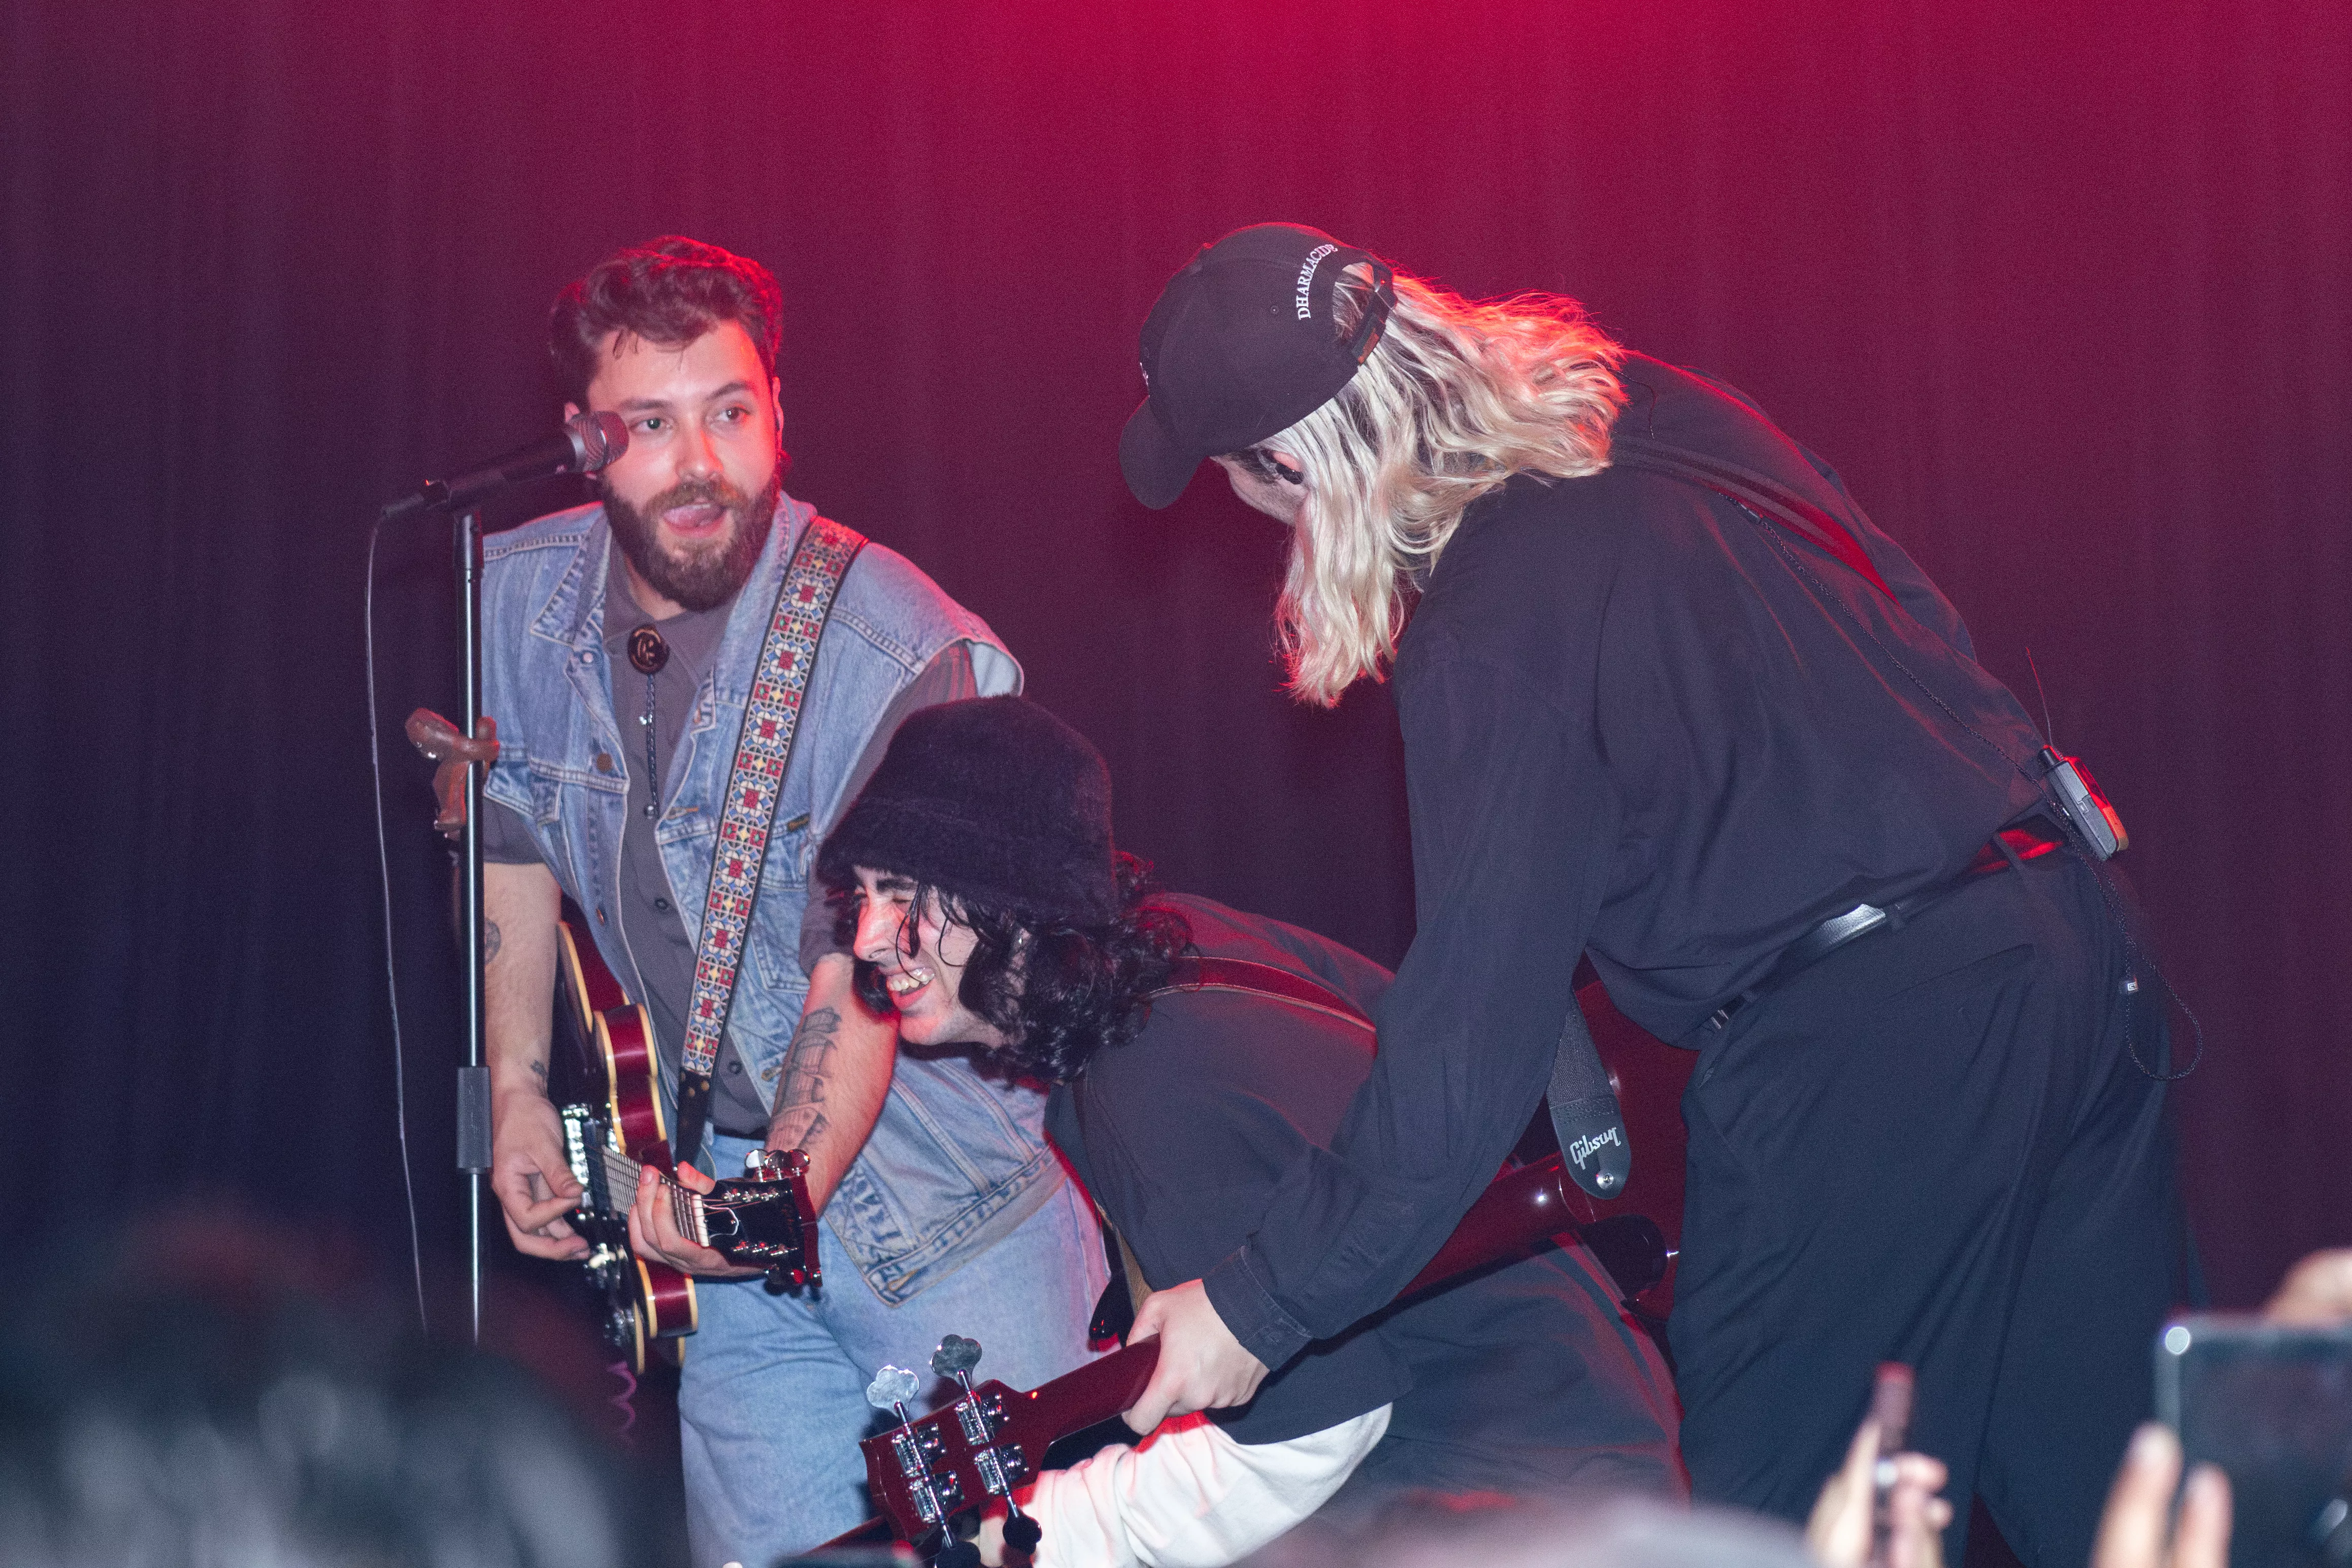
(622, 1178)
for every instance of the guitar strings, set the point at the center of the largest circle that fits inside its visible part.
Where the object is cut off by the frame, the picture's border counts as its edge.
(622, 1178)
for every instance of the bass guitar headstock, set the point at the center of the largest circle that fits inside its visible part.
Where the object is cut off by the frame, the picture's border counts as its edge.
(988, 1441)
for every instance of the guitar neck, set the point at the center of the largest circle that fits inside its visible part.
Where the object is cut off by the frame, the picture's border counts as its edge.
(1078, 1400)
(1519, 1209)
(1529, 1206)
(623, 1175)
(961, 1455)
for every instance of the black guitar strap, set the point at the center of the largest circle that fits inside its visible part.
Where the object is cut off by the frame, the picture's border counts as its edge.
(1585, 1114)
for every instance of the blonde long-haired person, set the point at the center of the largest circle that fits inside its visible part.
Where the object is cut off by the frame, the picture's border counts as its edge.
(1670, 700)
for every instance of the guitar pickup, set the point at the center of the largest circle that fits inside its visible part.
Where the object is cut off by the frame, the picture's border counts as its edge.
(577, 1128)
(981, 1415)
(1001, 1469)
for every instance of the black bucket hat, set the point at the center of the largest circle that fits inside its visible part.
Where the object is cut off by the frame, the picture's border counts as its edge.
(991, 799)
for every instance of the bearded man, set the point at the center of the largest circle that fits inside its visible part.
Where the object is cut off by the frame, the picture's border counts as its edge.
(1196, 1050)
(620, 641)
(1671, 701)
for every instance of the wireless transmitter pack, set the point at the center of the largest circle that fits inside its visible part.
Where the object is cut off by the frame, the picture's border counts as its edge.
(2079, 796)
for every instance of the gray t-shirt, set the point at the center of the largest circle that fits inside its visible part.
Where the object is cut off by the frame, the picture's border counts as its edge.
(653, 930)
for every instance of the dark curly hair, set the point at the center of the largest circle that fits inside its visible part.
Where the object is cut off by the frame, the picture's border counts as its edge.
(670, 291)
(1065, 992)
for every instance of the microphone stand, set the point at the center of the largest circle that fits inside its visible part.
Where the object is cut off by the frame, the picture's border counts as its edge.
(473, 1078)
(589, 441)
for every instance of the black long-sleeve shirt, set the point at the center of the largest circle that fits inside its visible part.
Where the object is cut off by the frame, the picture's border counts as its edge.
(1519, 1378)
(1642, 724)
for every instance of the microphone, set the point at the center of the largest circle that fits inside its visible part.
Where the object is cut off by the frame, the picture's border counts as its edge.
(584, 445)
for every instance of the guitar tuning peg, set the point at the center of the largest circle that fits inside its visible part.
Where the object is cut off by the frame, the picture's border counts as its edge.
(891, 1388)
(955, 1356)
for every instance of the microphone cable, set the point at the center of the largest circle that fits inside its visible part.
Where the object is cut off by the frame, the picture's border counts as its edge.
(391, 969)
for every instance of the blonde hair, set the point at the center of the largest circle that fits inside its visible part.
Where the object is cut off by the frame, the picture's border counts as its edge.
(1456, 398)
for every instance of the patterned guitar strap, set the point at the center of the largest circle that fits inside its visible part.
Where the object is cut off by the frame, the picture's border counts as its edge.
(771, 719)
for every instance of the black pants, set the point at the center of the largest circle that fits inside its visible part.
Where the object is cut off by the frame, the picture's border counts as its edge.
(1932, 1147)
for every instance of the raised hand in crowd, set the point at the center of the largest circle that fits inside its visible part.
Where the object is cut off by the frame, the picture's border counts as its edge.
(2133, 1531)
(2316, 1292)
(2138, 1529)
(1841, 1529)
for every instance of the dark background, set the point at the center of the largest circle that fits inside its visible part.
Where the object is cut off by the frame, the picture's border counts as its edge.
(2060, 288)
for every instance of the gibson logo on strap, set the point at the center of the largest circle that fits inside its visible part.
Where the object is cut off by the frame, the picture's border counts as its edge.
(1581, 1150)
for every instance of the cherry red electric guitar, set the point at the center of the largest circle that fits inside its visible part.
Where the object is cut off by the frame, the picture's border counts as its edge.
(613, 1131)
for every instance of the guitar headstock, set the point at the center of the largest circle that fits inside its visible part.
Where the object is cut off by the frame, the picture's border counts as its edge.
(767, 1222)
(991, 1440)
(982, 1446)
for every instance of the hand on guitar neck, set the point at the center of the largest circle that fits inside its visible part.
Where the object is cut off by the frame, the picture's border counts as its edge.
(1208, 1368)
(656, 1231)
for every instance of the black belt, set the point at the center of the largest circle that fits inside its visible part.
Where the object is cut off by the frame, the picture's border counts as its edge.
(2028, 840)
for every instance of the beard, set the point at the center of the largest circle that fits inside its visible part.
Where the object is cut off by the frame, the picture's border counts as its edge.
(698, 579)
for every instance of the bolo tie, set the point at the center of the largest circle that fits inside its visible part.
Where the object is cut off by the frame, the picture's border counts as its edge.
(648, 653)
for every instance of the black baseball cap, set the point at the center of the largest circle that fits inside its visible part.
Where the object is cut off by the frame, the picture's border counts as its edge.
(1241, 346)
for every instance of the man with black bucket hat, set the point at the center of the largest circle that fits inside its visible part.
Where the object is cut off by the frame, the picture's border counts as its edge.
(1669, 700)
(1195, 1051)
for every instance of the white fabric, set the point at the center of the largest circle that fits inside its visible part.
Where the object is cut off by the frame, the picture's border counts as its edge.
(1189, 1495)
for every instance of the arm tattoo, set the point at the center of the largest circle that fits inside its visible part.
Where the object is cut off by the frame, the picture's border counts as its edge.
(539, 1070)
(489, 941)
(800, 1104)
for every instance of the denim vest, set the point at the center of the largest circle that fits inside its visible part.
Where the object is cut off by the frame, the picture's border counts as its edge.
(955, 1161)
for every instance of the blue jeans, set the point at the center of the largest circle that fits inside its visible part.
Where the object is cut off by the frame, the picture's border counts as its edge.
(772, 1400)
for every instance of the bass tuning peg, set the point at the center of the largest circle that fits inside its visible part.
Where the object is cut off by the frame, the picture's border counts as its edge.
(891, 1388)
(955, 1356)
